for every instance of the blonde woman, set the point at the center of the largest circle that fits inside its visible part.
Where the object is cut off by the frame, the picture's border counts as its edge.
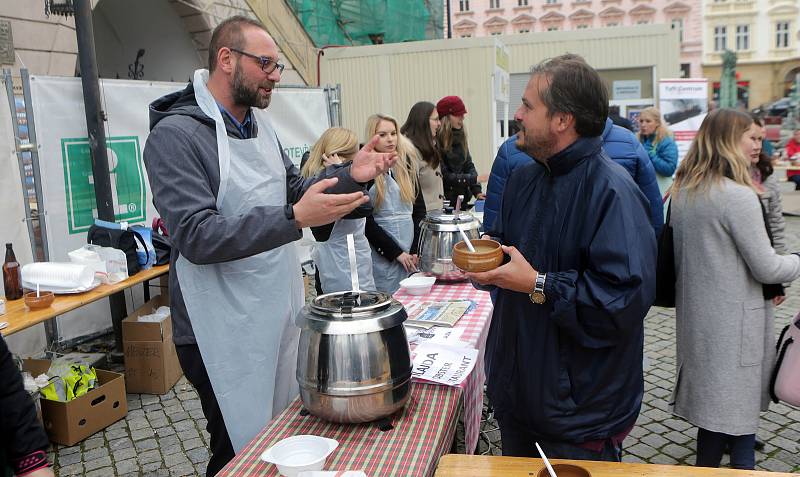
(723, 257)
(657, 140)
(330, 253)
(398, 207)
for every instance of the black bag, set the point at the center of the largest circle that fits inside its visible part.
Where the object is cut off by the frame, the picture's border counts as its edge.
(124, 240)
(163, 246)
(665, 266)
(770, 290)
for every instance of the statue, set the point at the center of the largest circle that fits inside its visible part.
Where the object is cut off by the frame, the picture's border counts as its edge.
(727, 81)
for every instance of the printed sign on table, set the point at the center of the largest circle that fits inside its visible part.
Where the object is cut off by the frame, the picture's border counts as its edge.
(443, 364)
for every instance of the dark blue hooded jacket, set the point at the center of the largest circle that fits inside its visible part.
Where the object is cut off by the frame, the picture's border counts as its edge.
(571, 369)
(621, 146)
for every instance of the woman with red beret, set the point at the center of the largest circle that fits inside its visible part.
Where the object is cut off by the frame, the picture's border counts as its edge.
(458, 171)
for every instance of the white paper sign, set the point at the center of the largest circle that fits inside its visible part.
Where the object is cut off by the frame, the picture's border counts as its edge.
(627, 89)
(436, 334)
(443, 364)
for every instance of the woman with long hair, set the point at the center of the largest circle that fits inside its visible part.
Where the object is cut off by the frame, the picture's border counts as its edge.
(769, 192)
(724, 333)
(420, 128)
(656, 138)
(330, 253)
(459, 175)
(398, 207)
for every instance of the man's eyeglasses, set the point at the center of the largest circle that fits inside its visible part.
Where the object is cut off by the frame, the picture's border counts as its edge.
(268, 65)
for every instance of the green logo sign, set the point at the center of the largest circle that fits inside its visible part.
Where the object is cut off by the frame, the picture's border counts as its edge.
(127, 181)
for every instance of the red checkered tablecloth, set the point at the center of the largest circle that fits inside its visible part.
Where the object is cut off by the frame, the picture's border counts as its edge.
(476, 328)
(423, 430)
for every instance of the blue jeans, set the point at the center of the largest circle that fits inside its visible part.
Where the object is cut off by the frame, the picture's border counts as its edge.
(711, 445)
(517, 442)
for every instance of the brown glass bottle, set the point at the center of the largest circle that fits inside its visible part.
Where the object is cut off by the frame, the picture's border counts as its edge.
(12, 278)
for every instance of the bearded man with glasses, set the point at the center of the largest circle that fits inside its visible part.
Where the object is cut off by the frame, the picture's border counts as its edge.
(234, 204)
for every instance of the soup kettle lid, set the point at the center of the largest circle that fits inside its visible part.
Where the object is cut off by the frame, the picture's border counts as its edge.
(351, 312)
(446, 216)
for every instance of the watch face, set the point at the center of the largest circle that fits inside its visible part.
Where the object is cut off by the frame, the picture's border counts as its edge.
(537, 297)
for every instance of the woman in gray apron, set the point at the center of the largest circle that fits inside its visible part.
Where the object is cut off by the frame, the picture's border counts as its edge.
(330, 254)
(398, 207)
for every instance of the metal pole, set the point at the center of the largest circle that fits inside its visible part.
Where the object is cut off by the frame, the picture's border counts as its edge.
(94, 114)
(20, 149)
(97, 145)
(37, 174)
(449, 20)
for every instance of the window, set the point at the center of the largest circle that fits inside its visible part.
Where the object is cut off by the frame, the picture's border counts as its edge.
(583, 26)
(552, 28)
(742, 37)
(524, 30)
(612, 24)
(494, 3)
(686, 69)
(466, 35)
(496, 33)
(720, 38)
(677, 24)
(643, 22)
(782, 35)
(551, 2)
(522, 3)
(463, 5)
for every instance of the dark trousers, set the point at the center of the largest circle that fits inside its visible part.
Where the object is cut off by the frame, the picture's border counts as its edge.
(195, 371)
(711, 445)
(796, 180)
(518, 442)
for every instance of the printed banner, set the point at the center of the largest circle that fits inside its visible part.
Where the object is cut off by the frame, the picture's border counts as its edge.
(299, 116)
(684, 105)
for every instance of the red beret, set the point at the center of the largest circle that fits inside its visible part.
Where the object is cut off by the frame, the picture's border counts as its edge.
(451, 105)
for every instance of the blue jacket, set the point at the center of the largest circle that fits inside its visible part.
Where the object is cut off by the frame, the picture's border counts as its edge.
(570, 369)
(620, 144)
(664, 155)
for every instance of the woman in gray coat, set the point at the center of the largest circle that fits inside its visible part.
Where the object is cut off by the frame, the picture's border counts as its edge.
(722, 257)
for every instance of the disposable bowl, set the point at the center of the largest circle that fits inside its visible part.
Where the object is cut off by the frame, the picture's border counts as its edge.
(298, 453)
(418, 284)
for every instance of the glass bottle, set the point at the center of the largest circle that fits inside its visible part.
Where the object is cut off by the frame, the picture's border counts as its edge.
(12, 279)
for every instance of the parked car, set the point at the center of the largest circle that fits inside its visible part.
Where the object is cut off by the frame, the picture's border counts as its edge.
(779, 108)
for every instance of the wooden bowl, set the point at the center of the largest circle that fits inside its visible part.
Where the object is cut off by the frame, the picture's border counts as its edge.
(44, 300)
(487, 256)
(565, 470)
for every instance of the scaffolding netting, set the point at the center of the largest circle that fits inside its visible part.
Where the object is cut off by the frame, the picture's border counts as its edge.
(366, 22)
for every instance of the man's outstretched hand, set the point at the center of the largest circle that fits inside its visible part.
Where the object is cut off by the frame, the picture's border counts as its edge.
(369, 164)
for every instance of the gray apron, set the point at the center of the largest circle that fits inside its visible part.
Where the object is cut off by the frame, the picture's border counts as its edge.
(242, 312)
(394, 217)
(332, 261)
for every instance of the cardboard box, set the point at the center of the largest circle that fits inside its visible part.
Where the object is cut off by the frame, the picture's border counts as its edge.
(151, 363)
(70, 422)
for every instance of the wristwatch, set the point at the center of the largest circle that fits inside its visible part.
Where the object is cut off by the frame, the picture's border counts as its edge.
(288, 211)
(537, 296)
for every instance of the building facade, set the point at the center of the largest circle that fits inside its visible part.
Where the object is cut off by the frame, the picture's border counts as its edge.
(471, 18)
(173, 34)
(764, 34)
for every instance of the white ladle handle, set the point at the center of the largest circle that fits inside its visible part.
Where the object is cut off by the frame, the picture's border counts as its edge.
(351, 252)
(466, 239)
(546, 462)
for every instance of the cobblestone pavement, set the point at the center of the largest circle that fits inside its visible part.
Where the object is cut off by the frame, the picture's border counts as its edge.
(165, 435)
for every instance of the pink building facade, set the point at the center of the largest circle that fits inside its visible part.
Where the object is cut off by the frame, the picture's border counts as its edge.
(470, 18)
